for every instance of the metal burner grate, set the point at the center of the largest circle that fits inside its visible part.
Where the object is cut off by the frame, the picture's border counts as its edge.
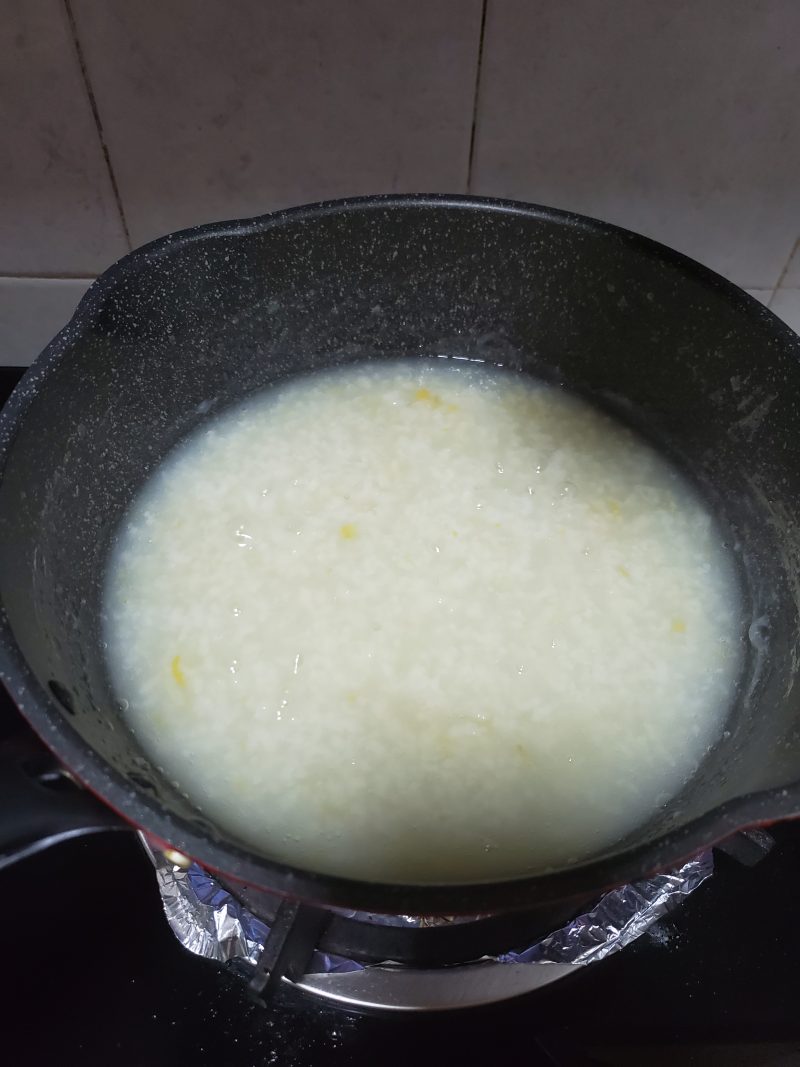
(404, 962)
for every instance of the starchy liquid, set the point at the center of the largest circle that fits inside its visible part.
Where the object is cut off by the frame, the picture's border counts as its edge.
(422, 621)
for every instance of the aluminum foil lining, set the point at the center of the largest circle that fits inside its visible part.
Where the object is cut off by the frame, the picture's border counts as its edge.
(208, 921)
(620, 917)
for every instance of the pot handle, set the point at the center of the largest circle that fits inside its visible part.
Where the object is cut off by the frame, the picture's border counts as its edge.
(40, 802)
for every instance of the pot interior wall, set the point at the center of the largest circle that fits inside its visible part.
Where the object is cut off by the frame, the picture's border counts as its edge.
(179, 331)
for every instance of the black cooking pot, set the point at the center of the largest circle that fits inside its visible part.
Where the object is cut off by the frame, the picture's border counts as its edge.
(179, 330)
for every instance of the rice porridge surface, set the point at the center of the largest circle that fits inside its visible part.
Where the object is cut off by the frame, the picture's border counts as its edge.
(422, 621)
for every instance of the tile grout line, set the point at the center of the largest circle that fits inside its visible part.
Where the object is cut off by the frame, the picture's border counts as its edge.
(96, 114)
(784, 272)
(45, 277)
(476, 96)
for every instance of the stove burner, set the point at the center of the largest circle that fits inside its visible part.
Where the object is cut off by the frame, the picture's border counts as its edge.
(297, 930)
(374, 962)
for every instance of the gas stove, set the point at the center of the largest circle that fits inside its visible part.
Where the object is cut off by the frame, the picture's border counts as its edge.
(406, 963)
(99, 976)
(94, 973)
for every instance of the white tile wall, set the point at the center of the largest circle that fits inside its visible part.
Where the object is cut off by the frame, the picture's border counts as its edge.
(221, 110)
(57, 209)
(786, 305)
(673, 118)
(791, 278)
(764, 295)
(32, 311)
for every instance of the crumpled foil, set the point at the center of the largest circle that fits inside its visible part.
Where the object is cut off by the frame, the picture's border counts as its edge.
(208, 921)
(620, 917)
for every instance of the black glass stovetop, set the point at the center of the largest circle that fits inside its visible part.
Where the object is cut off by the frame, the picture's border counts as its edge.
(93, 975)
